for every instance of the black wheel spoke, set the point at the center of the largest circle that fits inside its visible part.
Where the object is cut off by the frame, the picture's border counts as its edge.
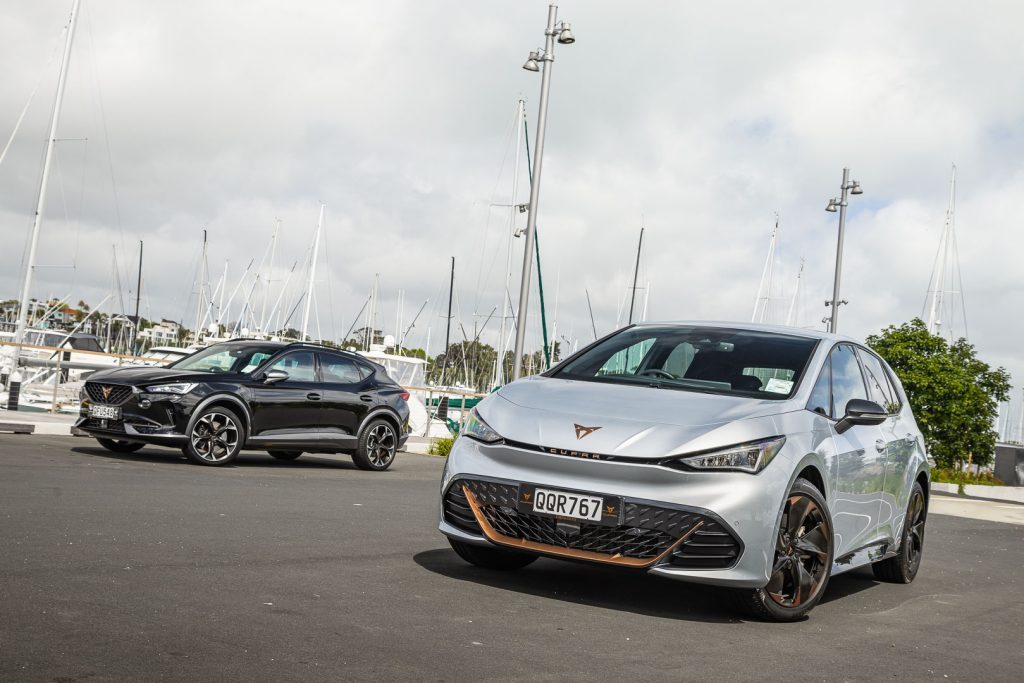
(813, 544)
(798, 510)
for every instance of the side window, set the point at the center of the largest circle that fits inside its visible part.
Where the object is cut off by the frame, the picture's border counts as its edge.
(847, 380)
(300, 366)
(821, 395)
(879, 389)
(364, 371)
(338, 370)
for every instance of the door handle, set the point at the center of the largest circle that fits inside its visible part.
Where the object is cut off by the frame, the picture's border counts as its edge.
(880, 445)
(367, 398)
(313, 396)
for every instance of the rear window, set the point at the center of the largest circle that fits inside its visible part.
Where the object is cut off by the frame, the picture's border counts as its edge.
(690, 358)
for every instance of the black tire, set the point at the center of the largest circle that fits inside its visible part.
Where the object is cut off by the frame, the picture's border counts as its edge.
(215, 438)
(903, 568)
(119, 446)
(491, 558)
(377, 446)
(804, 550)
(285, 455)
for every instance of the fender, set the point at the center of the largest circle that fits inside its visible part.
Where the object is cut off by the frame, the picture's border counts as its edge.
(213, 398)
(375, 412)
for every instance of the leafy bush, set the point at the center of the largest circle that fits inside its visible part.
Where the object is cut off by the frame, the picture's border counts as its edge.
(951, 475)
(441, 447)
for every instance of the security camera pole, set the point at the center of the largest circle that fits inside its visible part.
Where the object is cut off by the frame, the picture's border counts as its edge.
(545, 58)
(853, 187)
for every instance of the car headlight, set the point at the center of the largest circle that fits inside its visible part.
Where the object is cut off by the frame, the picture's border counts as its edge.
(179, 388)
(477, 429)
(748, 457)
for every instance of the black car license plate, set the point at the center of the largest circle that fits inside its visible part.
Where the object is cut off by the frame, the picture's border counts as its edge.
(570, 505)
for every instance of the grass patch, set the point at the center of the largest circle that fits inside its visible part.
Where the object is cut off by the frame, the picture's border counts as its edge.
(950, 475)
(441, 447)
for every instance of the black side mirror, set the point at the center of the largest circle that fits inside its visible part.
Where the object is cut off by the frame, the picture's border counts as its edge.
(274, 376)
(861, 412)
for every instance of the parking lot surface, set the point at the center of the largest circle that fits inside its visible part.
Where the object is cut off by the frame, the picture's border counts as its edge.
(145, 567)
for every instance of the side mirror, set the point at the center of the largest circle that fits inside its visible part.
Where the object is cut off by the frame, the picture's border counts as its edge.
(861, 412)
(274, 376)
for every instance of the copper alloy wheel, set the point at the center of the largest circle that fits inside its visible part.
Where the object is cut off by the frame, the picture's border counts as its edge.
(214, 436)
(915, 526)
(801, 553)
(380, 445)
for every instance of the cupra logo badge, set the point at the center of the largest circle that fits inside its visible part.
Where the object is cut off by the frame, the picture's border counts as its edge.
(582, 431)
(106, 394)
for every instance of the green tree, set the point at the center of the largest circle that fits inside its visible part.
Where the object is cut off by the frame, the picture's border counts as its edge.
(955, 396)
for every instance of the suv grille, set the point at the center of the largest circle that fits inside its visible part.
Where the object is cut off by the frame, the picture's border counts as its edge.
(646, 533)
(116, 393)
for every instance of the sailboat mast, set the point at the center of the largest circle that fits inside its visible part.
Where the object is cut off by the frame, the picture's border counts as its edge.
(499, 374)
(312, 272)
(636, 271)
(942, 260)
(448, 327)
(30, 264)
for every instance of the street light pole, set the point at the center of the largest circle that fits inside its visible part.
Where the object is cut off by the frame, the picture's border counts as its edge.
(853, 187)
(545, 57)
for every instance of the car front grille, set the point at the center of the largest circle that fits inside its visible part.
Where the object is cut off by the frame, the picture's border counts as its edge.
(115, 394)
(646, 533)
(115, 426)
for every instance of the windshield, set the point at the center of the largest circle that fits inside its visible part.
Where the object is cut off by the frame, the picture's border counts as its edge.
(707, 359)
(235, 358)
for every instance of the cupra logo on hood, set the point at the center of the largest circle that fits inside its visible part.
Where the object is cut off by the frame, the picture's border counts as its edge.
(582, 431)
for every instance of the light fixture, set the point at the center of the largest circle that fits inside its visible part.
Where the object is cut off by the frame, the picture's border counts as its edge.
(565, 36)
(531, 62)
(855, 188)
(832, 204)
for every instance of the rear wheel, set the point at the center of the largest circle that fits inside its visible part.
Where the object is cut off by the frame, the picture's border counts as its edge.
(285, 455)
(216, 437)
(491, 558)
(119, 446)
(802, 562)
(903, 568)
(377, 446)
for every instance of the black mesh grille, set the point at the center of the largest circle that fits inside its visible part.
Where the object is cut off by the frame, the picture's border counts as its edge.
(110, 426)
(710, 547)
(646, 532)
(116, 395)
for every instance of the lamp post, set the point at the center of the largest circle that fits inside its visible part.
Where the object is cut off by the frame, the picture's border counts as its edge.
(851, 187)
(539, 60)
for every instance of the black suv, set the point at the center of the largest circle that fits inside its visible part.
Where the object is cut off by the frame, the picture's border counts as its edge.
(284, 398)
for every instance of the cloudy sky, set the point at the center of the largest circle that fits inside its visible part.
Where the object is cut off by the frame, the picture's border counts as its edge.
(699, 120)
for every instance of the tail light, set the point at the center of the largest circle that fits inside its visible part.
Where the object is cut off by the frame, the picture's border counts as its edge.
(404, 395)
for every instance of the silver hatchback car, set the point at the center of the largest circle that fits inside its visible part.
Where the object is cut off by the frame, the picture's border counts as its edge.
(761, 458)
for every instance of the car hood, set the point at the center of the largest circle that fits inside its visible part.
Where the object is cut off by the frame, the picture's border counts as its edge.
(154, 374)
(632, 421)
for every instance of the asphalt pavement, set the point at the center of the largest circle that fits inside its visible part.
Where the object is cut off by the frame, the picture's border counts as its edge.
(145, 567)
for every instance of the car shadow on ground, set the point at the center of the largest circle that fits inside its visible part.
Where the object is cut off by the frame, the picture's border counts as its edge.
(249, 459)
(624, 590)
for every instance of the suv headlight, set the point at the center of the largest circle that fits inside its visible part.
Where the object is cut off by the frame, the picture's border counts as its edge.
(477, 429)
(748, 457)
(179, 388)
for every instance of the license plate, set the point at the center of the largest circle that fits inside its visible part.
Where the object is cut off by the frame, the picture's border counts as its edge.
(570, 505)
(105, 412)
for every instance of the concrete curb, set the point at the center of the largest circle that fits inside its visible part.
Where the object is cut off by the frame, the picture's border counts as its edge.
(995, 494)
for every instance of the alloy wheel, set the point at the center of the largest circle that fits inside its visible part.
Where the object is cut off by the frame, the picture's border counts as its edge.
(380, 445)
(801, 553)
(915, 525)
(214, 436)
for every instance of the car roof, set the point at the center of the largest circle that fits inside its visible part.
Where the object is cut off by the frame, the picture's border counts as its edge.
(300, 345)
(756, 327)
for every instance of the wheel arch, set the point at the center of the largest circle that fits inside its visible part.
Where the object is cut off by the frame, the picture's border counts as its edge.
(381, 412)
(229, 401)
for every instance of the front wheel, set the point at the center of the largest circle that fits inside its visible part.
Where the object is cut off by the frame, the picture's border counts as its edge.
(491, 558)
(903, 568)
(216, 437)
(119, 446)
(377, 446)
(802, 561)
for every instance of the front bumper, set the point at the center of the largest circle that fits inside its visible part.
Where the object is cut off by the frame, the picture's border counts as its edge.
(151, 418)
(730, 517)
